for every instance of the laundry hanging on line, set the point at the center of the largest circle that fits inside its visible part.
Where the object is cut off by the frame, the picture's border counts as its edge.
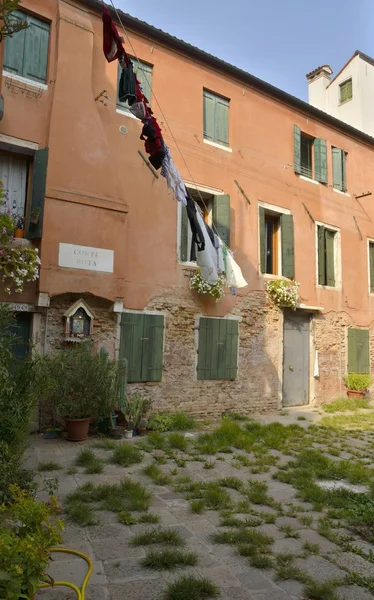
(212, 255)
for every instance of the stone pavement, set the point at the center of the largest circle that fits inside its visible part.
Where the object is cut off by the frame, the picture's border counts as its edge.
(118, 574)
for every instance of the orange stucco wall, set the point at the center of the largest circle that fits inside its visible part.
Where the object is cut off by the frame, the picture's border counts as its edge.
(100, 192)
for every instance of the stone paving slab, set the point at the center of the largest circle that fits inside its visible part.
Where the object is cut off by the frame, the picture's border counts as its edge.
(118, 574)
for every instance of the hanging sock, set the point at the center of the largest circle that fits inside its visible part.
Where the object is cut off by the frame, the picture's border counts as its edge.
(112, 42)
(174, 181)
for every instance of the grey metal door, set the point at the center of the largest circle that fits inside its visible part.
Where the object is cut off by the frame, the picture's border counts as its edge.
(296, 337)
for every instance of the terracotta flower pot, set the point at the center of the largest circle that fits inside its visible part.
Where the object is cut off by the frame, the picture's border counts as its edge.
(18, 233)
(142, 431)
(355, 394)
(77, 429)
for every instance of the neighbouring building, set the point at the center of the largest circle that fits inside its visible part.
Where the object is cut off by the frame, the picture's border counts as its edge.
(349, 95)
(289, 187)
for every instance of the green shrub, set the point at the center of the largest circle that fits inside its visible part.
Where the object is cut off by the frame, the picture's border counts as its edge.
(28, 529)
(358, 381)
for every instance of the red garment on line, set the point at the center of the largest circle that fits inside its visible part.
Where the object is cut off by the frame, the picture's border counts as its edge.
(112, 43)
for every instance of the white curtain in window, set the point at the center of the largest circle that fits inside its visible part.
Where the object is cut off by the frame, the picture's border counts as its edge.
(13, 173)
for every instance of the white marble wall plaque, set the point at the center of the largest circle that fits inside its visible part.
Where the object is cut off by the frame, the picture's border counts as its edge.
(85, 257)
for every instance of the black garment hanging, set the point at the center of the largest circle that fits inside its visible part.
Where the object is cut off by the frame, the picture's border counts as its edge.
(197, 235)
(211, 235)
(127, 85)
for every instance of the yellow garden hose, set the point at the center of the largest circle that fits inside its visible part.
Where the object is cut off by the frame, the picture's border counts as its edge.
(80, 592)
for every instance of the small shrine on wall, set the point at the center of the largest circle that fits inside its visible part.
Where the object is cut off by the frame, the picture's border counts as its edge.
(78, 322)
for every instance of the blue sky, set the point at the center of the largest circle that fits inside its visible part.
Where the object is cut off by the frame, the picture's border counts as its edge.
(278, 41)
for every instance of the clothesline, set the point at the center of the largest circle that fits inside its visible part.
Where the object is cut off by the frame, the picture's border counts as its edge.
(213, 255)
(145, 75)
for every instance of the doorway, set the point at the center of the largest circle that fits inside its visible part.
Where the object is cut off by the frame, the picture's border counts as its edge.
(296, 358)
(22, 330)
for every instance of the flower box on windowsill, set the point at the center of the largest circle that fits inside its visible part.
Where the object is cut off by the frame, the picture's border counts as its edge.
(17, 242)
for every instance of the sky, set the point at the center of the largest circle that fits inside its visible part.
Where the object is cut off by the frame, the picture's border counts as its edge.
(278, 41)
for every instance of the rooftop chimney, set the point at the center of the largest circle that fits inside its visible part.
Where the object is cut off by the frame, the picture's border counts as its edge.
(318, 80)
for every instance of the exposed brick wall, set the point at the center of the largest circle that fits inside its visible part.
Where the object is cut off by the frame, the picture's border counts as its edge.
(331, 341)
(257, 386)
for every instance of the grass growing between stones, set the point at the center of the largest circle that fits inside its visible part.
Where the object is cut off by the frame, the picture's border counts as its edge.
(80, 513)
(192, 588)
(48, 466)
(346, 404)
(122, 498)
(105, 445)
(158, 535)
(126, 455)
(286, 570)
(169, 559)
(154, 472)
(88, 459)
(198, 506)
(359, 420)
(315, 590)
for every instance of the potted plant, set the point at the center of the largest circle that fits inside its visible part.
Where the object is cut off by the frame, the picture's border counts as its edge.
(34, 215)
(28, 530)
(19, 223)
(79, 385)
(357, 384)
(136, 408)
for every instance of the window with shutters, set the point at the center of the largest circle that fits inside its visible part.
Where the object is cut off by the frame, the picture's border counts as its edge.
(328, 256)
(371, 265)
(216, 118)
(142, 343)
(339, 177)
(276, 242)
(345, 91)
(143, 72)
(24, 179)
(217, 348)
(216, 213)
(358, 350)
(310, 156)
(26, 52)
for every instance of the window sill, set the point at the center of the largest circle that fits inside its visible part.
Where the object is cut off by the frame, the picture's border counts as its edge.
(126, 113)
(271, 277)
(21, 242)
(340, 192)
(328, 287)
(308, 179)
(30, 82)
(215, 145)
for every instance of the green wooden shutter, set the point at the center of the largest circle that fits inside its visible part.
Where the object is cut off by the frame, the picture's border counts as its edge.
(221, 217)
(221, 124)
(14, 51)
(231, 349)
(39, 178)
(287, 242)
(184, 235)
(204, 354)
(209, 115)
(321, 255)
(153, 346)
(371, 266)
(344, 171)
(261, 214)
(337, 168)
(358, 350)
(320, 160)
(330, 258)
(352, 351)
(131, 344)
(144, 74)
(297, 150)
(216, 342)
(36, 50)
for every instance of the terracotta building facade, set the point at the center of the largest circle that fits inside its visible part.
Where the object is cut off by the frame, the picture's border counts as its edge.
(288, 187)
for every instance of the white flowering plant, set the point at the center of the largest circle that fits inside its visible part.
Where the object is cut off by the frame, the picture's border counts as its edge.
(217, 289)
(283, 292)
(17, 266)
